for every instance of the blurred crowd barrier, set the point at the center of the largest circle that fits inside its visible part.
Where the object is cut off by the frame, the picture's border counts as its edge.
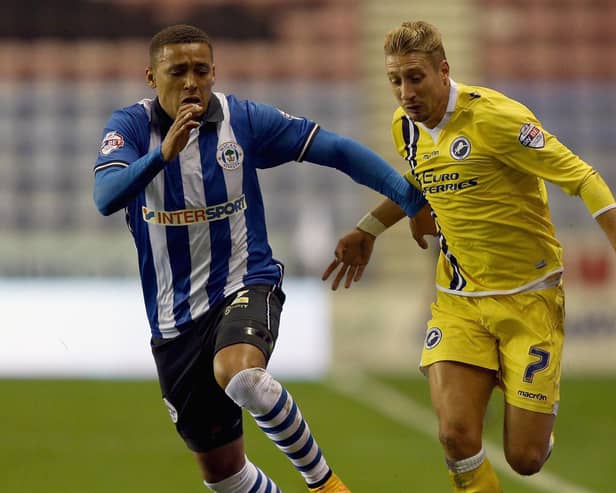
(66, 65)
(47, 343)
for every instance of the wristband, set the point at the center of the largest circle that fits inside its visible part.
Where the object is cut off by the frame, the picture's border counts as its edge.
(371, 225)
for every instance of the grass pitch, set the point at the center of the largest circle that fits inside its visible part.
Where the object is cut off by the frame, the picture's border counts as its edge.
(95, 436)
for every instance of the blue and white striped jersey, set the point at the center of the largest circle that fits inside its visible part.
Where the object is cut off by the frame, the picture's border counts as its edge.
(199, 224)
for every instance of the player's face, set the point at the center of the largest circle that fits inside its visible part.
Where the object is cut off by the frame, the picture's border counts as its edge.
(183, 74)
(420, 88)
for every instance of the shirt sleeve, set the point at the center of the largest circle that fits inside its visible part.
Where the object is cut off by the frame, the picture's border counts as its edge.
(365, 167)
(123, 167)
(122, 140)
(280, 137)
(519, 140)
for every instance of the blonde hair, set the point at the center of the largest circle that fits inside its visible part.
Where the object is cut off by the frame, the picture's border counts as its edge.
(415, 36)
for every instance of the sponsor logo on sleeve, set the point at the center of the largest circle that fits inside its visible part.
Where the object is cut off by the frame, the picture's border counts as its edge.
(531, 136)
(230, 155)
(112, 141)
(460, 148)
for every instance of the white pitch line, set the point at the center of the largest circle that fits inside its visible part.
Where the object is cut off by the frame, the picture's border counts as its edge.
(404, 410)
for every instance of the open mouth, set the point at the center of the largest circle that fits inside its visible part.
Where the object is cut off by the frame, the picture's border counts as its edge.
(191, 100)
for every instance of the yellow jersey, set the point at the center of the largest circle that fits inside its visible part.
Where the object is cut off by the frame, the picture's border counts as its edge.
(482, 169)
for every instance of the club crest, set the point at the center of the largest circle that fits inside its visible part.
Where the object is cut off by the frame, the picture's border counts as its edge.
(460, 148)
(433, 337)
(229, 155)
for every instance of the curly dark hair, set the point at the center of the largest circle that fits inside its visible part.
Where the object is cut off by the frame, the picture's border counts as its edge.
(178, 34)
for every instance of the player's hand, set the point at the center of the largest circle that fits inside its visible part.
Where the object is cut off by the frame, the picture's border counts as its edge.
(351, 257)
(423, 224)
(177, 137)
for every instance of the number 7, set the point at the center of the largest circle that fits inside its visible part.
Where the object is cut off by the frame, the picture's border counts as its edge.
(540, 364)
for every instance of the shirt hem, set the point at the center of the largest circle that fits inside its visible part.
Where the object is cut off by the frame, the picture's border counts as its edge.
(526, 287)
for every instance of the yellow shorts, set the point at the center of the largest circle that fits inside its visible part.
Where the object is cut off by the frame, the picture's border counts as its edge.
(519, 335)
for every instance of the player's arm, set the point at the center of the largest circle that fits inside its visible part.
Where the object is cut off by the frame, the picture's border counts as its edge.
(599, 200)
(607, 221)
(281, 138)
(367, 168)
(122, 174)
(116, 183)
(535, 151)
(354, 249)
(555, 162)
(423, 224)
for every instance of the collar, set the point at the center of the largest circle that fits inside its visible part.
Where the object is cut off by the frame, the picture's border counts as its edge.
(213, 113)
(453, 96)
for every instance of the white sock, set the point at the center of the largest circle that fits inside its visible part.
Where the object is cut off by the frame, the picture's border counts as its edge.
(468, 464)
(249, 478)
(279, 418)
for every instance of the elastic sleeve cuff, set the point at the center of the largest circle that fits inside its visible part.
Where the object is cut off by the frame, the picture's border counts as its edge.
(597, 195)
(602, 210)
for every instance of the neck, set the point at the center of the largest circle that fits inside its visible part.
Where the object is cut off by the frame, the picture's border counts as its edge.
(441, 109)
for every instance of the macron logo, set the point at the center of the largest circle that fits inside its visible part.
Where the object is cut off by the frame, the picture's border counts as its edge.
(532, 395)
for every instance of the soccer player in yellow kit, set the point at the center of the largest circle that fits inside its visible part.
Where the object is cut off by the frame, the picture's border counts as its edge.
(481, 159)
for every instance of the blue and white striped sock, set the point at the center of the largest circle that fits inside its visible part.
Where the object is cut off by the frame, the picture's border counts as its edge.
(281, 420)
(249, 478)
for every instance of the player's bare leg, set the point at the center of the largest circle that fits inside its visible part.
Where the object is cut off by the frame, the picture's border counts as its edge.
(221, 462)
(240, 370)
(527, 438)
(460, 394)
(226, 469)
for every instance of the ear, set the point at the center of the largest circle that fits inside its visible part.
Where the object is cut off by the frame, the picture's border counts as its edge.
(149, 77)
(444, 71)
(213, 74)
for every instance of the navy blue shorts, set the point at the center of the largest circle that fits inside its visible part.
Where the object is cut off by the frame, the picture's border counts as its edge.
(204, 416)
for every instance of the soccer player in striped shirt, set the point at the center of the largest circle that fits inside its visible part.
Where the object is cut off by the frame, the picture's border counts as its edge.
(481, 159)
(184, 167)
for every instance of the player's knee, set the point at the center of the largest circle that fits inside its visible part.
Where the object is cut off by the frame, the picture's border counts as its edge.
(231, 360)
(254, 389)
(223, 373)
(526, 461)
(213, 469)
(458, 439)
